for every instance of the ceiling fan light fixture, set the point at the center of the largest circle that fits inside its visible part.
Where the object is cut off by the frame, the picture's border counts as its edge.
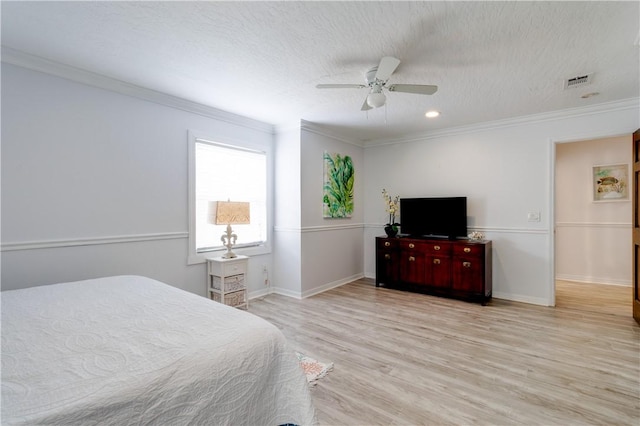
(376, 99)
(376, 80)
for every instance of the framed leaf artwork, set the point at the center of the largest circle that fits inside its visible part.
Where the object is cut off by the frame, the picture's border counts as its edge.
(339, 175)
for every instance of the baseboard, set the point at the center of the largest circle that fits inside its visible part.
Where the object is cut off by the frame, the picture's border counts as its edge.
(338, 283)
(286, 292)
(368, 280)
(331, 285)
(508, 296)
(259, 293)
(593, 280)
(520, 298)
(312, 292)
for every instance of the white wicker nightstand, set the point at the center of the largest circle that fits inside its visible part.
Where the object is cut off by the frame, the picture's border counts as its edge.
(227, 281)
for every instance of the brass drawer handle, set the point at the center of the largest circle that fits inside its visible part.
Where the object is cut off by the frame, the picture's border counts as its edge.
(412, 259)
(436, 247)
(467, 250)
(411, 245)
(436, 261)
(387, 256)
(387, 244)
(466, 264)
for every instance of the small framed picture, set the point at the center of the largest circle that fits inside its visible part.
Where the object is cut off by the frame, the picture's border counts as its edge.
(611, 182)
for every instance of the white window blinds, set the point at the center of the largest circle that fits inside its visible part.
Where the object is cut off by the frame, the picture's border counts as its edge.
(229, 173)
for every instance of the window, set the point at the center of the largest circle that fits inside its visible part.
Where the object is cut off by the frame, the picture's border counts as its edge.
(221, 171)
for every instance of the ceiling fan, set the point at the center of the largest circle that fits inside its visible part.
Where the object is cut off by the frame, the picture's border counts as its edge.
(376, 79)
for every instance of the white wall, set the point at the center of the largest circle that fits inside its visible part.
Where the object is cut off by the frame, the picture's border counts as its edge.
(313, 254)
(505, 169)
(287, 275)
(593, 239)
(94, 183)
(332, 249)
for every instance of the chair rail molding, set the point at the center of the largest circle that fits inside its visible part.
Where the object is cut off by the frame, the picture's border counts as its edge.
(593, 224)
(114, 239)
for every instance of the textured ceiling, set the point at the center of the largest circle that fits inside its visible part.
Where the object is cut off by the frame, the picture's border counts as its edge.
(490, 60)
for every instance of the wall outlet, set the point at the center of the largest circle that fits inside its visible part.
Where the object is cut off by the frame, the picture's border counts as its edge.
(265, 275)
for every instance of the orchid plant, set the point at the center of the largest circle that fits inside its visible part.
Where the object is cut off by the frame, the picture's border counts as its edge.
(392, 206)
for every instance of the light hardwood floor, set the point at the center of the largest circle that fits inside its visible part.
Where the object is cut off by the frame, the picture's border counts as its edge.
(606, 299)
(408, 359)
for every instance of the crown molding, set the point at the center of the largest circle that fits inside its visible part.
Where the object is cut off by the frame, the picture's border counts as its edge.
(289, 126)
(319, 129)
(39, 64)
(625, 104)
(78, 75)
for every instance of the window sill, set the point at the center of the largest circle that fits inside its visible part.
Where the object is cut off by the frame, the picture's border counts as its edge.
(247, 251)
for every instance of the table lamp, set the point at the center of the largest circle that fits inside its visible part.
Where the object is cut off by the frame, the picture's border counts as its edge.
(231, 213)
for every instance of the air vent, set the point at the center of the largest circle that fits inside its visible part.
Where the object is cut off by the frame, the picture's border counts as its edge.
(578, 81)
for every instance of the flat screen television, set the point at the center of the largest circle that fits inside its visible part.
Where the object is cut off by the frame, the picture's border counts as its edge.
(444, 217)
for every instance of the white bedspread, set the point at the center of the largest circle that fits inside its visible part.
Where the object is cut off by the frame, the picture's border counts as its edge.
(131, 350)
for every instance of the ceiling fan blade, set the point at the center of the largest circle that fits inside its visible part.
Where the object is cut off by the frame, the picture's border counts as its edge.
(365, 106)
(387, 66)
(340, 86)
(420, 89)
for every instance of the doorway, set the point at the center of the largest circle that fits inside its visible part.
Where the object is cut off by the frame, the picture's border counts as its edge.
(601, 298)
(592, 233)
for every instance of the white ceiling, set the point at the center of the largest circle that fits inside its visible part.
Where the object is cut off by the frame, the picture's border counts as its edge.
(490, 60)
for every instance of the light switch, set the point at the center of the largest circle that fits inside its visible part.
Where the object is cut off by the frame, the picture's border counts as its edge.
(533, 216)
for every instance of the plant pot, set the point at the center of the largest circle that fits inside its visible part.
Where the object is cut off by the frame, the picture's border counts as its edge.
(390, 231)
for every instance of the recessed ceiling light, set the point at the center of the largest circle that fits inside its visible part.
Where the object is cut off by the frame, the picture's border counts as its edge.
(432, 114)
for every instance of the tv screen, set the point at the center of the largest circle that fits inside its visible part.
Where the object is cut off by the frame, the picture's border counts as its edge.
(434, 217)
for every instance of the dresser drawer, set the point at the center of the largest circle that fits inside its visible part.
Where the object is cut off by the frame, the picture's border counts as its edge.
(409, 245)
(387, 243)
(223, 269)
(427, 247)
(468, 250)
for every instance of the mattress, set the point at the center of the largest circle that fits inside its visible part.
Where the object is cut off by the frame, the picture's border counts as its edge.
(132, 350)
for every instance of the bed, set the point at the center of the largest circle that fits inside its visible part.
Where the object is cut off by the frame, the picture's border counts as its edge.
(132, 350)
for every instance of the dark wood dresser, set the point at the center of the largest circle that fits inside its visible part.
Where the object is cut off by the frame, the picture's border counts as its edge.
(451, 268)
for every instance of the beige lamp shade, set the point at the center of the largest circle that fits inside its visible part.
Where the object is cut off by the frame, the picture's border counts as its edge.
(233, 212)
